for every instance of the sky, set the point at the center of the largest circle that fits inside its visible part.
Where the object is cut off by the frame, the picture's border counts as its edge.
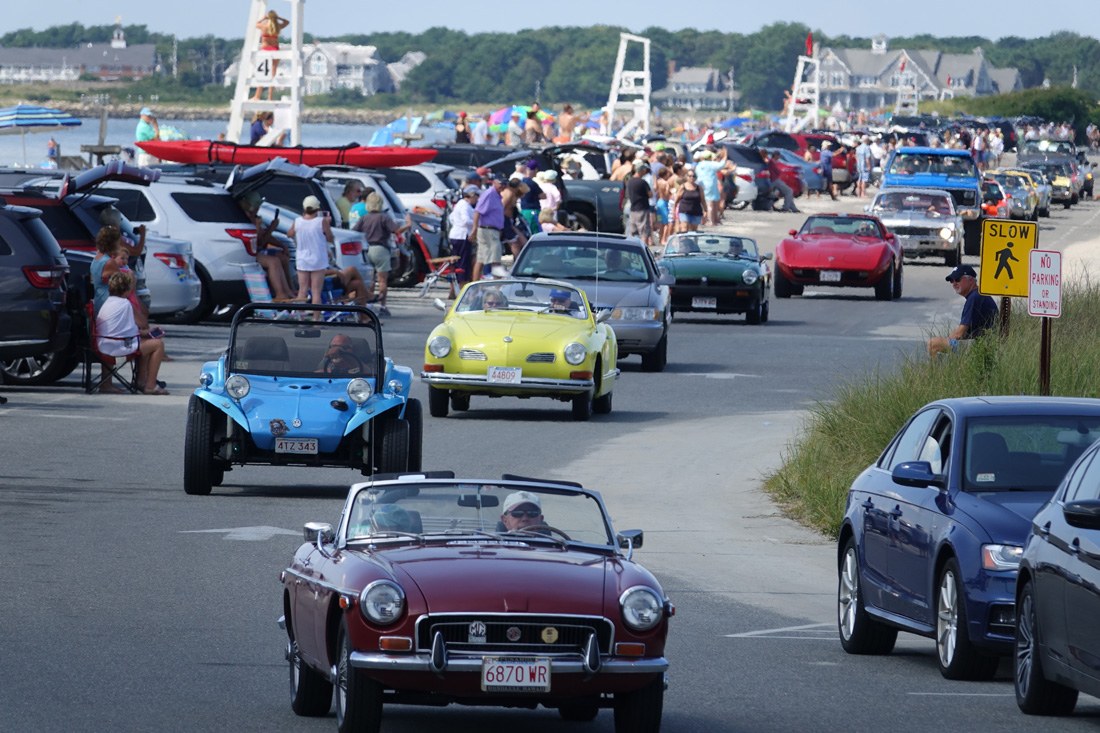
(862, 18)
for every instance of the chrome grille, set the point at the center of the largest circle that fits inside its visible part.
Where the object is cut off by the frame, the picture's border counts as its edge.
(471, 354)
(572, 633)
(912, 231)
(542, 358)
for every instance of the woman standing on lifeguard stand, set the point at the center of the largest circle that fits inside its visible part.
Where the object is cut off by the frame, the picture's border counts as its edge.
(270, 27)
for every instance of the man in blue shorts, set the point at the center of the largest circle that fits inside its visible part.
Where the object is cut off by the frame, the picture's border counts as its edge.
(978, 316)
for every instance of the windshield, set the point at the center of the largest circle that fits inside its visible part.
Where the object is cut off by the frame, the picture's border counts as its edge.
(301, 348)
(856, 225)
(711, 245)
(1051, 147)
(473, 510)
(950, 165)
(1024, 452)
(930, 204)
(582, 260)
(1008, 180)
(516, 295)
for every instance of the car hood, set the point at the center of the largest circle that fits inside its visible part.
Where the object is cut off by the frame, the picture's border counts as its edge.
(610, 294)
(474, 329)
(493, 578)
(306, 400)
(1005, 515)
(891, 219)
(719, 268)
(820, 250)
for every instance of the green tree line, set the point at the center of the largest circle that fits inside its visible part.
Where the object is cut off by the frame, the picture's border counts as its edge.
(559, 64)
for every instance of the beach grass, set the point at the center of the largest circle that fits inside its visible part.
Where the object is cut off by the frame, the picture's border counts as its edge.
(844, 435)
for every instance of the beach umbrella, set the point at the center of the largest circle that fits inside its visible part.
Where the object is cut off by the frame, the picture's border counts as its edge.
(167, 132)
(385, 135)
(441, 115)
(24, 118)
(498, 121)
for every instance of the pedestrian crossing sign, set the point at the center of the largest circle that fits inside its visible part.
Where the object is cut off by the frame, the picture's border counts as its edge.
(1005, 258)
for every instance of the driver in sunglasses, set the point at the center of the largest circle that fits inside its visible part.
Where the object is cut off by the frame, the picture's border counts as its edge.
(522, 509)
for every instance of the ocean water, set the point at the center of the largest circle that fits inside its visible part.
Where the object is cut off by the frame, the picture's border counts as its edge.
(120, 131)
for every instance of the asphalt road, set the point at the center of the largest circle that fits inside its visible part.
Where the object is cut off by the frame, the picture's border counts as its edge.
(128, 605)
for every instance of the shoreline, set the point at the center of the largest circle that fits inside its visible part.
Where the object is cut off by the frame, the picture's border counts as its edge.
(177, 111)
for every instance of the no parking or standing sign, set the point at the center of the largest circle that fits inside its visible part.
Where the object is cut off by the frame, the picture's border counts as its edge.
(1044, 297)
(1004, 260)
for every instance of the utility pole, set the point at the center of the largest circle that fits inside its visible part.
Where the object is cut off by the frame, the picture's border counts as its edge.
(175, 56)
(538, 89)
(213, 60)
(731, 89)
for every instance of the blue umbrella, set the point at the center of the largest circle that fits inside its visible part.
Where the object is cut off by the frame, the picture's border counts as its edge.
(385, 135)
(24, 118)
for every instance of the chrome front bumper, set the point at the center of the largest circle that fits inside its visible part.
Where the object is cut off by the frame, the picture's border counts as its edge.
(472, 665)
(526, 384)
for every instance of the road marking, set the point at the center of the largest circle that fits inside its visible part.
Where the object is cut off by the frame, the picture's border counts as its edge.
(771, 633)
(718, 375)
(63, 415)
(962, 694)
(247, 534)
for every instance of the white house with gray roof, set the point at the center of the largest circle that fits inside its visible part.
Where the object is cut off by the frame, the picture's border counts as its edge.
(329, 66)
(107, 61)
(695, 87)
(869, 79)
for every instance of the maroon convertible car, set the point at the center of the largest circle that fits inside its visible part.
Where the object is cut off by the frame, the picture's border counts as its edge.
(845, 250)
(433, 590)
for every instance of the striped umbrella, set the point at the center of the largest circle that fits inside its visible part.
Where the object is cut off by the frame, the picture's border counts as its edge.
(24, 118)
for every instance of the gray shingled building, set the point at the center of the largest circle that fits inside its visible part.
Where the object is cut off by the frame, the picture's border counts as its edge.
(107, 61)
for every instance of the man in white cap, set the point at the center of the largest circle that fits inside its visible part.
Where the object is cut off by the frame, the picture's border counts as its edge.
(522, 509)
(514, 136)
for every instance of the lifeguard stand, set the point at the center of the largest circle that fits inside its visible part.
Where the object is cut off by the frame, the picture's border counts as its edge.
(805, 100)
(907, 101)
(630, 83)
(255, 70)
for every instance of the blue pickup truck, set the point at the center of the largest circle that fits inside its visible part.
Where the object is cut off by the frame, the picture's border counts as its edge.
(953, 171)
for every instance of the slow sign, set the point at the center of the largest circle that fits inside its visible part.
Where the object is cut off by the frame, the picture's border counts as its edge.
(1044, 295)
(1003, 261)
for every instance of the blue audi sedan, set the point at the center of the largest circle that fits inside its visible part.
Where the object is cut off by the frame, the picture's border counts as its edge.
(933, 531)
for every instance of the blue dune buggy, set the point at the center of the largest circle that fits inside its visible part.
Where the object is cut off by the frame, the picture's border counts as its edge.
(294, 391)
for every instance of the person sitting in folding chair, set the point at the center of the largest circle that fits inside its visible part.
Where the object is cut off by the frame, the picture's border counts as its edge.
(117, 334)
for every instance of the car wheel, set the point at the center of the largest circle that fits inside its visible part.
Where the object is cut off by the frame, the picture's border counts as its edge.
(582, 407)
(358, 697)
(405, 275)
(414, 416)
(1035, 694)
(765, 311)
(859, 633)
(310, 693)
(460, 402)
(958, 658)
(217, 475)
(1075, 199)
(972, 238)
(640, 711)
(438, 400)
(580, 711)
(583, 222)
(1034, 215)
(392, 449)
(884, 288)
(954, 257)
(1045, 212)
(200, 311)
(41, 369)
(899, 281)
(602, 404)
(656, 360)
(1066, 204)
(198, 449)
(755, 314)
(782, 285)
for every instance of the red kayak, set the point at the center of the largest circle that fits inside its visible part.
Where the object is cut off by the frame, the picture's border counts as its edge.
(212, 151)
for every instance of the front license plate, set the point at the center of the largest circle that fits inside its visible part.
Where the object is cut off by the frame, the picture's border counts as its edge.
(704, 302)
(505, 375)
(515, 674)
(830, 276)
(296, 445)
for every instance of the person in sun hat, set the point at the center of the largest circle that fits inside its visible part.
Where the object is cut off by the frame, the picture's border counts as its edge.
(979, 312)
(522, 509)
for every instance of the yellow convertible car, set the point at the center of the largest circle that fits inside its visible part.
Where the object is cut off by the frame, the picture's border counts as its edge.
(521, 338)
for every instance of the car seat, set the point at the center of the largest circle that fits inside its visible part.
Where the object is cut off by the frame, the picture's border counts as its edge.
(266, 353)
(988, 456)
(551, 266)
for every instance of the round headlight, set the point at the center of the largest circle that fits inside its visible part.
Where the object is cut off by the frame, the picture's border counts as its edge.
(439, 347)
(237, 386)
(749, 277)
(382, 602)
(575, 353)
(641, 607)
(359, 391)
(947, 233)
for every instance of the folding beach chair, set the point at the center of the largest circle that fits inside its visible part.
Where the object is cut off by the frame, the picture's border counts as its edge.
(112, 369)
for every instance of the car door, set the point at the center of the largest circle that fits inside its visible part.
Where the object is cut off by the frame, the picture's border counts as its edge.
(311, 608)
(881, 506)
(1081, 556)
(911, 528)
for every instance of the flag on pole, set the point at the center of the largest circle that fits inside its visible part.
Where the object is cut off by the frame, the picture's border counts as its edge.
(810, 43)
(902, 65)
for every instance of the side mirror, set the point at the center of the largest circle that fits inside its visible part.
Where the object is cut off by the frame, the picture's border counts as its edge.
(314, 531)
(440, 305)
(603, 315)
(766, 256)
(666, 279)
(631, 537)
(866, 209)
(793, 232)
(917, 474)
(1082, 514)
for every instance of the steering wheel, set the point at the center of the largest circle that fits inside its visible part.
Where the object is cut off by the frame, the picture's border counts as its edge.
(536, 529)
(363, 369)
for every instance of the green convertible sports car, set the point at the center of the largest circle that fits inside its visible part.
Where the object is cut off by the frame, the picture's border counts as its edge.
(718, 273)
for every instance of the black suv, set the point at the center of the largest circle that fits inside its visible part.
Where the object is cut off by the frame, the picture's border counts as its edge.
(33, 298)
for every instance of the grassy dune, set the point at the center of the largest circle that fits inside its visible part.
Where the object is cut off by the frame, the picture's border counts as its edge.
(843, 436)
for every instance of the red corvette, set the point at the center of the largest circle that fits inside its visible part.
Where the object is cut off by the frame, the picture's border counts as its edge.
(844, 250)
(512, 593)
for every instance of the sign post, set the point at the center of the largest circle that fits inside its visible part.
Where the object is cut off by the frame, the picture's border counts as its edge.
(1044, 299)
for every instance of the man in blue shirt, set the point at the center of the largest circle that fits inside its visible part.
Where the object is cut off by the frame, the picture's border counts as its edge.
(979, 312)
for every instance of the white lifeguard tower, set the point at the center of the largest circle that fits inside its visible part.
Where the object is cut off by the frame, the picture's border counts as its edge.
(630, 83)
(802, 109)
(257, 69)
